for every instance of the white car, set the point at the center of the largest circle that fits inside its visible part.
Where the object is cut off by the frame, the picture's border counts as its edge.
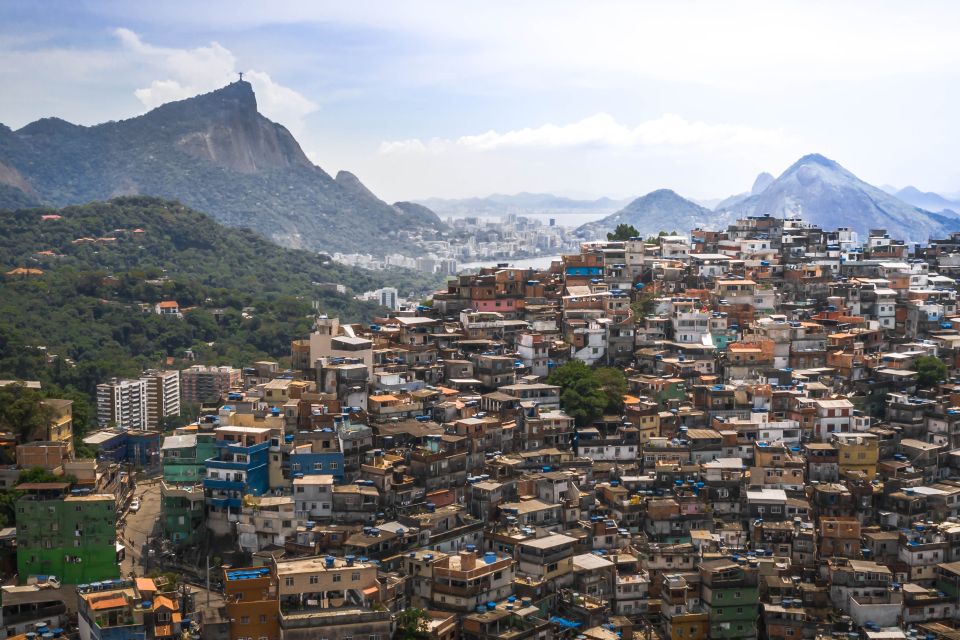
(135, 505)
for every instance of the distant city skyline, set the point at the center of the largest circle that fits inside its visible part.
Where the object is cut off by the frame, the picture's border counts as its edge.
(439, 99)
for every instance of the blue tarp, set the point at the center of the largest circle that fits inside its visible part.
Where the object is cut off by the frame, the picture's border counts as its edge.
(563, 622)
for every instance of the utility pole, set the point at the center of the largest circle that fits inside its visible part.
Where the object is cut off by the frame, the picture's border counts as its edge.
(207, 565)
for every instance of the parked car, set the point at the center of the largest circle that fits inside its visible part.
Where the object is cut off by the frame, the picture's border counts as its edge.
(135, 505)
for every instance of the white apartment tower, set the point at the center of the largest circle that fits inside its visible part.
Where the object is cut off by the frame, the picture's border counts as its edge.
(122, 403)
(163, 395)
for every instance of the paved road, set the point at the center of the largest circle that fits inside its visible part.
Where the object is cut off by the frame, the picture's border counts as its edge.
(140, 526)
(145, 524)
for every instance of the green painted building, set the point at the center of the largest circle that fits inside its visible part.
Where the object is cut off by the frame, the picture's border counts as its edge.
(182, 512)
(66, 534)
(183, 457)
(731, 598)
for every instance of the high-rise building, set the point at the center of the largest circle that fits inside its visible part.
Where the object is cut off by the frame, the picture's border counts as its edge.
(163, 395)
(200, 383)
(389, 298)
(122, 403)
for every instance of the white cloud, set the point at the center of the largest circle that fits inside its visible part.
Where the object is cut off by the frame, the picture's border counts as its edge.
(600, 130)
(193, 71)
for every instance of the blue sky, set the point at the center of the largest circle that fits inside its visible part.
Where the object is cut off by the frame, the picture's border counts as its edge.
(456, 99)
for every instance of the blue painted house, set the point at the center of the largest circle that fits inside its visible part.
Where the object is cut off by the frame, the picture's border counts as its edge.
(317, 453)
(139, 448)
(240, 467)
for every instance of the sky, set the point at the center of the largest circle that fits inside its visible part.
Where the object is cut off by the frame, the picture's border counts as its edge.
(584, 99)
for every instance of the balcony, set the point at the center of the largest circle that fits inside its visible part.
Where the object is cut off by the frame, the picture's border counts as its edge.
(226, 485)
(226, 503)
(463, 592)
(309, 618)
(216, 463)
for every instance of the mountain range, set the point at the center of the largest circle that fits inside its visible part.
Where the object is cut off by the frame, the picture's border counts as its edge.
(927, 200)
(521, 203)
(814, 187)
(216, 153)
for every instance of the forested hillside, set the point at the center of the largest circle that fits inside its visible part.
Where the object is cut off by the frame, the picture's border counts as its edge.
(89, 314)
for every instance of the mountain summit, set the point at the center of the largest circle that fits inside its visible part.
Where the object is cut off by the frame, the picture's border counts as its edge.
(214, 152)
(660, 210)
(821, 191)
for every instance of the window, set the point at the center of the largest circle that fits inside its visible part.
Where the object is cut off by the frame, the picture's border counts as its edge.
(337, 577)
(355, 576)
(318, 466)
(288, 581)
(244, 619)
(314, 579)
(334, 466)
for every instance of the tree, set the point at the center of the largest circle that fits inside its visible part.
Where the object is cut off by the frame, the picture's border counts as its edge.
(39, 474)
(643, 305)
(8, 508)
(23, 412)
(623, 232)
(930, 371)
(412, 623)
(581, 394)
(569, 372)
(584, 401)
(614, 385)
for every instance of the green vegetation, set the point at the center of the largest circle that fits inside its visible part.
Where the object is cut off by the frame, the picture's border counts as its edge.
(930, 371)
(22, 411)
(643, 304)
(39, 474)
(412, 623)
(613, 383)
(623, 232)
(660, 234)
(8, 497)
(90, 315)
(585, 393)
